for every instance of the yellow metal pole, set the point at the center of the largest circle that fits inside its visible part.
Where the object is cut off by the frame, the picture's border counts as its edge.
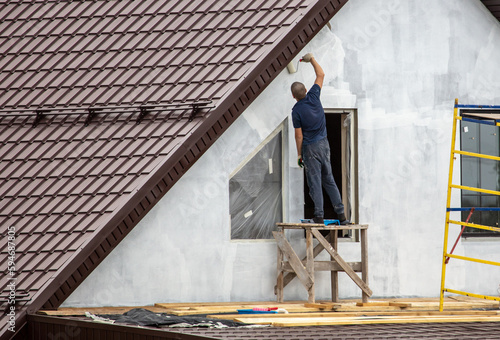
(448, 202)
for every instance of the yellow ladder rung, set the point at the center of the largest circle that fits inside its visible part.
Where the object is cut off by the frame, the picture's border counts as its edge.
(486, 297)
(477, 226)
(473, 154)
(465, 258)
(486, 191)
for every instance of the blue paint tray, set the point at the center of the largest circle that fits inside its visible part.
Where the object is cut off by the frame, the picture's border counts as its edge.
(327, 222)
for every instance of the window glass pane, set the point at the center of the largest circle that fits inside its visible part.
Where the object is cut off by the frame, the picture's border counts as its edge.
(489, 146)
(489, 218)
(255, 194)
(470, 165)
(489, 174)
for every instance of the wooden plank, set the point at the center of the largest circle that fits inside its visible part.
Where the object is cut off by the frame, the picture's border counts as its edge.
(463, 305)
(321, 226)
(354, 314)
(234, 309)
(409, 304)
(373, 303)
(342, 263)
(400, 304)
(321, 306)
(366, 308)
(327, 321)
(294, 260)
(173, 305)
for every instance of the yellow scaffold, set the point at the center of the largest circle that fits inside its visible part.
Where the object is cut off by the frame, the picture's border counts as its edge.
(481, 114)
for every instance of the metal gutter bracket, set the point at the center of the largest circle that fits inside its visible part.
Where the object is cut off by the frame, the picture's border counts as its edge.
(144, 111)
(38, 118)
(196, 108)
(92, 114)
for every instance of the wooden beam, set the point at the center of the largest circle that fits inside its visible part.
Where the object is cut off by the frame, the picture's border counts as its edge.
(290, 276)
(310, 265)
(361, 284)
(334, 275)
(278, 289)
(326, 266)
(294, 260)
(364, 261)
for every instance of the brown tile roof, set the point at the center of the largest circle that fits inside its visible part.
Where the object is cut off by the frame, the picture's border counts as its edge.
(105, 104)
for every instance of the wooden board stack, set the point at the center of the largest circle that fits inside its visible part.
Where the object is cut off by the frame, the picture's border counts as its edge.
(418, 310)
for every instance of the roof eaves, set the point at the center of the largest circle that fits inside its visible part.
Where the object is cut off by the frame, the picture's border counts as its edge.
(493, 6)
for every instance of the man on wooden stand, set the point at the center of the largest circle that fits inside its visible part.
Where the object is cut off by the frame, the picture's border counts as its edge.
(313, 148)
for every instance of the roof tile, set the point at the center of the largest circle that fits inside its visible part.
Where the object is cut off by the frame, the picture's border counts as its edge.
(66, 182)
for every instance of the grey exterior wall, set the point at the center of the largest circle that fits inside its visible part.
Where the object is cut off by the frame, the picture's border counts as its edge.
(401, 64)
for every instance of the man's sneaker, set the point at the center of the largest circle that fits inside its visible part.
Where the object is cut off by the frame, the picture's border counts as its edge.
(343, 220)
(319, 220)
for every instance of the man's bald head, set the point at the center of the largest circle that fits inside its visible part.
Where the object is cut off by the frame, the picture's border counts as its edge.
(298, 90)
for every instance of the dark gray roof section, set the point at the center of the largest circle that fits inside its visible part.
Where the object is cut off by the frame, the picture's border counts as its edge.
(104, 105)
(47, 327)
(93, 330)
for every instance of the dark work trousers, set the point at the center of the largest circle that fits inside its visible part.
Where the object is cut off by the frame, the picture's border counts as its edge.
(316, 157)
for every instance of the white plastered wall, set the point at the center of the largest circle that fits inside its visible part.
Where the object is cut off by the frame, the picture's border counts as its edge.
(401, 63)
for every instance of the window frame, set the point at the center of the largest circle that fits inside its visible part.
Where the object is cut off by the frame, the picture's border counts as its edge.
(478, 195)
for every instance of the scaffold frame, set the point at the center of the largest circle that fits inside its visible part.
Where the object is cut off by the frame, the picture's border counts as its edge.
(483, 114)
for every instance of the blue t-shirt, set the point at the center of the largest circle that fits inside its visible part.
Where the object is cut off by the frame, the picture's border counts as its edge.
(309, 115)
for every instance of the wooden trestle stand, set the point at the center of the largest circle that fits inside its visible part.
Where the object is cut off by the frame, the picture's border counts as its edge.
(304, 269)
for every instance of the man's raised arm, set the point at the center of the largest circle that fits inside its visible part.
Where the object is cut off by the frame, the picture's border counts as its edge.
(320, 74)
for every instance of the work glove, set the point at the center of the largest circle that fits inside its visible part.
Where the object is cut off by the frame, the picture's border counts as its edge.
(307, 58)
(300, 162)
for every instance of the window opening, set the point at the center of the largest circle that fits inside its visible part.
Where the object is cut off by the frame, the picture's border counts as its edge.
(255, 192)
(341, 128)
